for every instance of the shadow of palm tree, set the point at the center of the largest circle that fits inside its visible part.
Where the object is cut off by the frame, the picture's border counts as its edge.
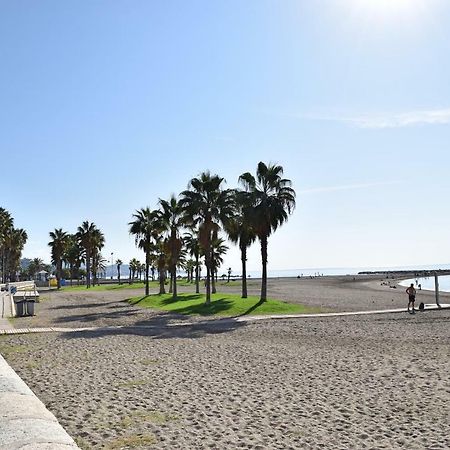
(252, 308)
(160, 327)
(216, 306)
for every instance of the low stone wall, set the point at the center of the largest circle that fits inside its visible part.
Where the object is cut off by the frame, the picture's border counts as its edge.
(25, 422)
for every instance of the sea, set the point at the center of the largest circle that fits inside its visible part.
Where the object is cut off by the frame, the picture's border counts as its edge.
(428, 283)
(343, 270)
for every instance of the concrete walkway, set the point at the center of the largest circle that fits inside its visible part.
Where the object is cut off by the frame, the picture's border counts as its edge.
(5, 324)
(25, 423)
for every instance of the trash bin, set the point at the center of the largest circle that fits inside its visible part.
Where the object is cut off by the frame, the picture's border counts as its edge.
(20, 308)
(30, 307)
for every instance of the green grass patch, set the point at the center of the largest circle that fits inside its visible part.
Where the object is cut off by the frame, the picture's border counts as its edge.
(132, 383)
(221, 305)
(150, 362)
(9, 349)
(132, 441)
(154, 417)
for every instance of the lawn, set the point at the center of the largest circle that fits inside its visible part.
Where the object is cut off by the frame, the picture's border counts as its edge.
(221, 305)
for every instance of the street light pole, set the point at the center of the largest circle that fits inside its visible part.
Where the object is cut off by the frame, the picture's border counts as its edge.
(112, 264)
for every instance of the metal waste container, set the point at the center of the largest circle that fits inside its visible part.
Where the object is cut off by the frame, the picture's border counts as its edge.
(30, 307)
(21, 308)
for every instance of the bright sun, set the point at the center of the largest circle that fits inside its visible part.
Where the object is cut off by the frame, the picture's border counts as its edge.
(390, 9)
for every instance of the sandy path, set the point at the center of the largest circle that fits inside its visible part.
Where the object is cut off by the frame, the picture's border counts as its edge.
(342, 382)
(366, 382)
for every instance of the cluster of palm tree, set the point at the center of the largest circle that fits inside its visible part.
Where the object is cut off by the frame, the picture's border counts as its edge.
(74, 250)
(12, 242)
(136, 268)
(194, 225)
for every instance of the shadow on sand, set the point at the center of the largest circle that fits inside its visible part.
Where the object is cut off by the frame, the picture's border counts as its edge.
(161, 327)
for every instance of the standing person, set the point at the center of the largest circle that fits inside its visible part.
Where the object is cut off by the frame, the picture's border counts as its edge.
(411, 297)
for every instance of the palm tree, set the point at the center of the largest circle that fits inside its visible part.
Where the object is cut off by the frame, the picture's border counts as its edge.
(98, 263)
(134, 267)
(36, 265)
(14, 242)
(189, 267)
(193, 247)
(271, 199)
(218, 248)
(87, 235)
(118, 264)
(171, 220)
(241, 232)
(144, 228)
(58, 244)
(6, 225)
(208, 205)
(73, 256)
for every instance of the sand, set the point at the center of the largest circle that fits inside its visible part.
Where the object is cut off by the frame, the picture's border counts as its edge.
(342, 382)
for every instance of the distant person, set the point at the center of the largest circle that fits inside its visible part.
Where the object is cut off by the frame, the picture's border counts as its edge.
(420, 287)
(411, 297)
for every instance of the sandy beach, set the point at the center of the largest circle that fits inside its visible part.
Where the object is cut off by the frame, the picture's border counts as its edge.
(342, 382)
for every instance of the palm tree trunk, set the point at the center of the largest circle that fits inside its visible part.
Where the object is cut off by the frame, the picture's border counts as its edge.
(147, 267)
(264, 269)
(213, 282)
(208, 285)
(58, 273)
(197, 274)
(244, 271)
(162, 289)
(175, 294)
(88, 268)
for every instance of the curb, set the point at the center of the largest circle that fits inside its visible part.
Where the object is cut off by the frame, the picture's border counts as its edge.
(25, 422)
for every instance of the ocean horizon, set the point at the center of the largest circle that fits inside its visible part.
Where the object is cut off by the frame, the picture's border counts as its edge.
(307, 272)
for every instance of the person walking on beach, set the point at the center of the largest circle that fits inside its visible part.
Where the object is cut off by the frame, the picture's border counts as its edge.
(411, 297)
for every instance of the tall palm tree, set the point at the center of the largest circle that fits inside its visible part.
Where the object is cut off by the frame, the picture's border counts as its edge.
(98, 242)
(171, 220)
(118, 264)
(218, 248)
(145, 230)
(134, 267)
(241, 232)
(6, 225)
(86, 235)
(14, 242)
(271, 199)
(99, 264)
(73, 256)
(193, 247)
(209, 206)
(189, 267)
(58, 244)
(36, 265)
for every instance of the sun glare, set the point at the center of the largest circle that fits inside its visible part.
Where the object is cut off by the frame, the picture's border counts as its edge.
(391, 9)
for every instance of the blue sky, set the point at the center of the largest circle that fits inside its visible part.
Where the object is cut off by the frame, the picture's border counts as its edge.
(109, 105)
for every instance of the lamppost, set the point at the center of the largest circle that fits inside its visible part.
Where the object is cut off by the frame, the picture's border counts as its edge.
(112, 264)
